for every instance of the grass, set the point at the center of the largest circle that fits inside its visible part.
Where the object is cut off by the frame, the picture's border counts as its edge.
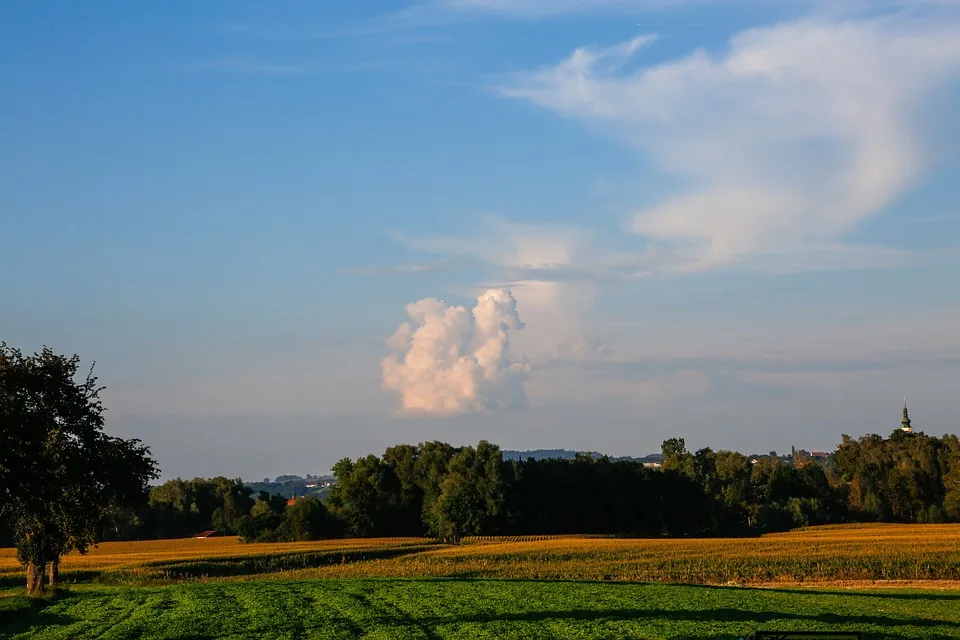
(815, 555)
(434, 609)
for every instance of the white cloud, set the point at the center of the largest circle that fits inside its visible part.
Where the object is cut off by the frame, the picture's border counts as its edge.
(525, 254)
(510, 244)
(453, 361)
(784, 143)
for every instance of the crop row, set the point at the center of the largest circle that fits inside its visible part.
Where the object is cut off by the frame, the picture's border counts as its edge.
(875, 552)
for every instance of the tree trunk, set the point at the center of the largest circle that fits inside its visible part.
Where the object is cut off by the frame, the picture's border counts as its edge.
(53, 573)
(35, 578)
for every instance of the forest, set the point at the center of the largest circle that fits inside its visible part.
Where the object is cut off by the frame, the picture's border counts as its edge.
(438, 490)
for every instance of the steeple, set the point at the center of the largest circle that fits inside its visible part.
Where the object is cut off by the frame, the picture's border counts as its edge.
(905, 421)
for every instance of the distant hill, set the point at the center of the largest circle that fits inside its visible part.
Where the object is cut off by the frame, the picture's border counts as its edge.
(567, 454)
(546, 454)
(291, 485)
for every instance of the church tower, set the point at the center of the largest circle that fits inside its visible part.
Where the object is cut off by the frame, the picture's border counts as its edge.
(905, 421)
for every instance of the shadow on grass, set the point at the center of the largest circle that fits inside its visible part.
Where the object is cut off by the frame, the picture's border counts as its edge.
(19, 611)
(66, 577)
(33, 623)
(884, 592)
(233, 566)
(699, 615)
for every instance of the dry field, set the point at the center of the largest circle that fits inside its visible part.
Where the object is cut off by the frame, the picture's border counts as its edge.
(818, 555)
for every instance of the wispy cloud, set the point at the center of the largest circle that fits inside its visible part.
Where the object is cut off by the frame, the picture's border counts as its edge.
(785, 142)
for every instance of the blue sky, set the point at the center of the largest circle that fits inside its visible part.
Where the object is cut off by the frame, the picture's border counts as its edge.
(735, 222)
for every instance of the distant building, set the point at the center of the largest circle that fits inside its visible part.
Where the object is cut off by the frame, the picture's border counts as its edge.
(651, 465)
(311, 485)
(905, 420)
(205, 534)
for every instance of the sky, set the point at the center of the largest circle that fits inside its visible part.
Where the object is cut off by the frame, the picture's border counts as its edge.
(291, 232)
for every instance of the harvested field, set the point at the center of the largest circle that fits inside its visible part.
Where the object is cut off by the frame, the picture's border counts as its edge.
(858, 554)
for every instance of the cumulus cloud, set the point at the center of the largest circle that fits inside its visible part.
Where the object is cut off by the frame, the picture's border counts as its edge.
(784, 143)
(536, 262)
(450, 360)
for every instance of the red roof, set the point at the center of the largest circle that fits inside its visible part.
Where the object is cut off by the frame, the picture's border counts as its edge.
(205, 534)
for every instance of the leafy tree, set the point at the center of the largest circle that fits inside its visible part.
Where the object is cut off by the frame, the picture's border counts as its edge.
(183, 507)
(951, 480)
(430, 468)
(62, 478)
(408, 517)
(306, 519)
(366, 496)
(674, 451)
(265, 517)
(471, 496)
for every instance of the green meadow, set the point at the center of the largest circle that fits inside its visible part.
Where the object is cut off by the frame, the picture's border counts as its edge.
(431, 609)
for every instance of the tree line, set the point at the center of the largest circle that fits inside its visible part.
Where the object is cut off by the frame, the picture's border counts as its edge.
(438, 490)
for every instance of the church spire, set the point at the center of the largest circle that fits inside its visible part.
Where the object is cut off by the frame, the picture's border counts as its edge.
(905, 421)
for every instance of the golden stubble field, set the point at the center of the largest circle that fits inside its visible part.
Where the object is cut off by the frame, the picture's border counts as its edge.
(882, 553)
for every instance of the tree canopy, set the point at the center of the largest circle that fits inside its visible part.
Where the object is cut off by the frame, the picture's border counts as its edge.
(62, 479)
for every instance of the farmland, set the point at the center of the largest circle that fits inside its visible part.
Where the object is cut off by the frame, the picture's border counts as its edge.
(433, 609)
(856, 553)
(536, 587)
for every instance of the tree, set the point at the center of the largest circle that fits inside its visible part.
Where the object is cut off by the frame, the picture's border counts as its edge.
(471, 495)
(408, 519)
(365, 497)
(62, 478)
(674, 453)
(306, 519)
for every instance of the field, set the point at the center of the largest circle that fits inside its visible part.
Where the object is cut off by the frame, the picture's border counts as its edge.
(547, 587)
(821, 554)
(454, 608)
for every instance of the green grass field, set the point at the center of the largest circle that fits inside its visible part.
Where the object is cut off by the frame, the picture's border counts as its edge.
(457, 608)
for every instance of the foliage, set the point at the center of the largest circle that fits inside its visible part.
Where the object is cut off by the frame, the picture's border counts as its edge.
(909, 477)
(446, 492)
(471, 494)
(179, 508)
(62, 479)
